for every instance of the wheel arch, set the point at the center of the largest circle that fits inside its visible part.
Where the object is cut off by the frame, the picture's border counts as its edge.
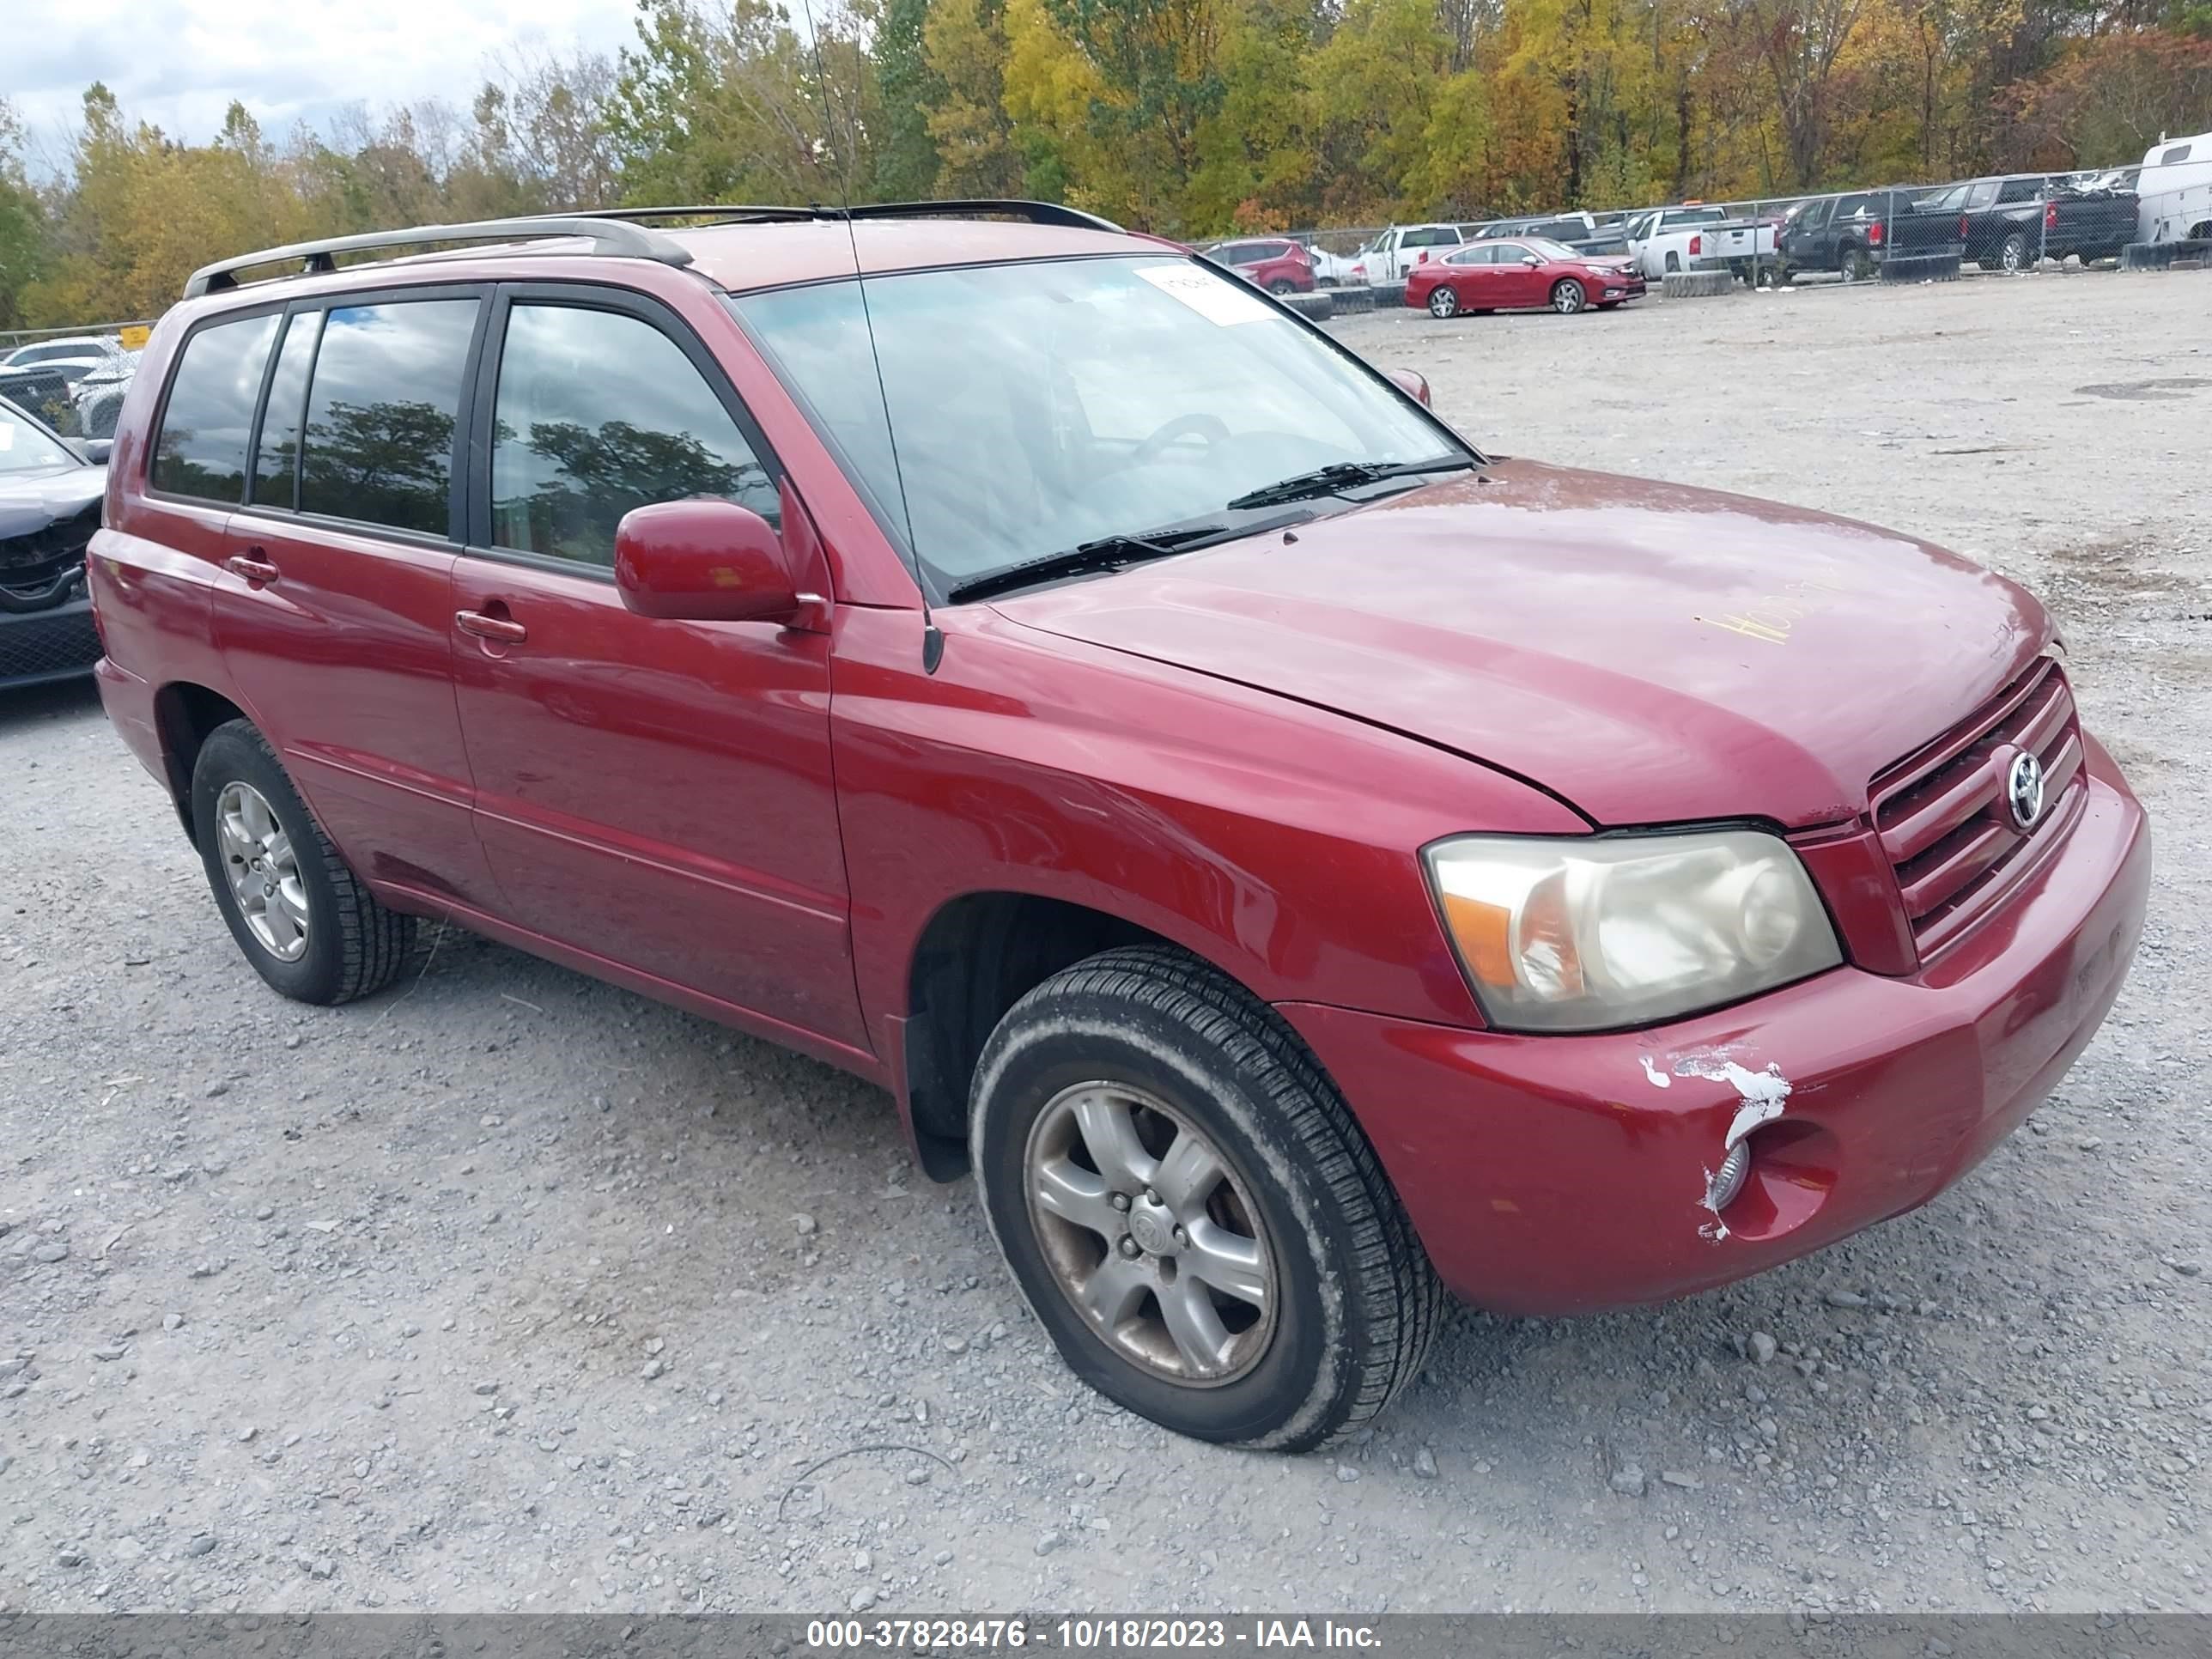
(979, 954)
(185, 713)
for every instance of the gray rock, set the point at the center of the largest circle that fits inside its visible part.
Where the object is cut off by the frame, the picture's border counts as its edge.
(1628, 1479)
(200, 1545)
(1762, 1347)
(653, 1368)
(1844, 1300)
(174, 1321)
(804, 1225)
(1049, 1542)
(115, 1351)
(1424, 1464)
(1346, 1473)
(942, 1559)
(862, 1600)
(1677, 1478)
(487, 1389)
(56, 1251)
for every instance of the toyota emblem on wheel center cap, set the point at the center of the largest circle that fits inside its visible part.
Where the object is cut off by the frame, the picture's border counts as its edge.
(2023, 791)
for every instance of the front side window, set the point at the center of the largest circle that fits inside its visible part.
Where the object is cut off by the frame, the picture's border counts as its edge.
(599, 412)
(381, 408)
(1981, 195)
(1027, 408)
(208, 421)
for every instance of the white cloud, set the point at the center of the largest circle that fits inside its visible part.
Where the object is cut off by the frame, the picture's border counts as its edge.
(179, 63)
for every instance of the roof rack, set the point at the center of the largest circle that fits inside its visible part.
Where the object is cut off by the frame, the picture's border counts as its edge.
(608, 236)
(1037, 212)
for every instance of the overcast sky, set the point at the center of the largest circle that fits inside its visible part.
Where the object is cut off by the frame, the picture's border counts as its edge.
(179, 63)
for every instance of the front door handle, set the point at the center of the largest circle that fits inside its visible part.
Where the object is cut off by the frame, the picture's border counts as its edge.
(505, 629)
(253, 568)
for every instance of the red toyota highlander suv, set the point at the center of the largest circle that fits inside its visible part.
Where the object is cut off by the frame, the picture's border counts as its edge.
(1299, 864)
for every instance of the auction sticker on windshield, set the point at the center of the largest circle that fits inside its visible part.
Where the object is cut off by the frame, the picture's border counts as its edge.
(1214, 298)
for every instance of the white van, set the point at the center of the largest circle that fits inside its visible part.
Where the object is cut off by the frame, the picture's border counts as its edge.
(2175, 191)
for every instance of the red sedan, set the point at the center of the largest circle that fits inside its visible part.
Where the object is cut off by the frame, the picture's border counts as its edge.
(1520, 275)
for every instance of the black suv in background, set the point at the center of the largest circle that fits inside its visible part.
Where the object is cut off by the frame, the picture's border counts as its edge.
(1859, 232)
(2010, 223)
(49, 499)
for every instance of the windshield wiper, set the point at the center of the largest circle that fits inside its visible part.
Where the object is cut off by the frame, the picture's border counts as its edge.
(1343, 474)
(1106, 553)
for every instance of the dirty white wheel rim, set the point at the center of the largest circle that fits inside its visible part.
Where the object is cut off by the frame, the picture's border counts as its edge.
(1567, 299)
(263, 871)
(1149, 1235)
(1443, 302)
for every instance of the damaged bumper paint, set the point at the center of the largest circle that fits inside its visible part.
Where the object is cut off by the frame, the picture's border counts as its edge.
(1564, 1174)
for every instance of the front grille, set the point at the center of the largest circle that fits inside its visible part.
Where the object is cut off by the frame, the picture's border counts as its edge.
(1943, 814)
(48, 644)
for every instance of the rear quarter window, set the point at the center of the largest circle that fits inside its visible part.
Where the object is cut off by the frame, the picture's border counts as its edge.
(207, 421)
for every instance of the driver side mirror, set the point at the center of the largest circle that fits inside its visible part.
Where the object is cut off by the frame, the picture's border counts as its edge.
(702, 560)
(1530, 260)
(96, 450)
(1412, 384)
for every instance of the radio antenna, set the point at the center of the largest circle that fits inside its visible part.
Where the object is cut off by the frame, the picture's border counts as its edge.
(932, 642)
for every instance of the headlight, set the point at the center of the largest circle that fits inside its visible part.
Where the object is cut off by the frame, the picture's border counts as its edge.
(1586, 934)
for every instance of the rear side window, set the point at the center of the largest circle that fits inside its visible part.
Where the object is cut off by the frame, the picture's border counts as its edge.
(381, 408)
(599, 412)
(277, 463)
(208, 421)
(2018, 190)
(1431, 238)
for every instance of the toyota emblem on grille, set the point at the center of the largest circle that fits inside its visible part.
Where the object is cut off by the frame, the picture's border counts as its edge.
(2023, 791)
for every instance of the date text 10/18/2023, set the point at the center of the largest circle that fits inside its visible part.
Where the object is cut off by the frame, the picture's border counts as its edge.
(1100, 1635)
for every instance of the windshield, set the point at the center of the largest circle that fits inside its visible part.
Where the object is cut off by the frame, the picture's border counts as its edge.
(1035, 407)
(25, 448)
(1545, 247)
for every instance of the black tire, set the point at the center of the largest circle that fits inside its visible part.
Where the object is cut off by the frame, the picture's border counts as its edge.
(355, 946)
(1282, 285)
(1356, 1301)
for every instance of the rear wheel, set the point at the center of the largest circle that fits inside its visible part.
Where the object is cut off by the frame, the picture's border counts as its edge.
(1282, 285)
(2013, 258)
(1854, 264)
(1673, 262)
(1190, 1209)
(306, 921)
(1567, 296)
(1443, 302)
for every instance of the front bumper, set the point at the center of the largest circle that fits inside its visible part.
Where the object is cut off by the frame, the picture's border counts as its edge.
(57, 643)
(1566, 1173)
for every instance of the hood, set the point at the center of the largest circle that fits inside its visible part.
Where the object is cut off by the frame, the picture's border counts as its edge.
(30, 501)
(1652, 654)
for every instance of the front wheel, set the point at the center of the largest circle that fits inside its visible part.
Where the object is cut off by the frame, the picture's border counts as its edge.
(1567, 296)
(306, 921)
(1191, 1210)
(1443, 302)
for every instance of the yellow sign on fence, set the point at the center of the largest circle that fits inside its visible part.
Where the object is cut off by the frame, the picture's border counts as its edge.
(134, 336)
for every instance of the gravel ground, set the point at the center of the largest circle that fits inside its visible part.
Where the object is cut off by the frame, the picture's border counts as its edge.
(507, 1289)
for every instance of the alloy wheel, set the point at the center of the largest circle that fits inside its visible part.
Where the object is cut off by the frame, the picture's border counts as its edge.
(263, 871)
(1567, 297)
(1149, 1235)
(1443, 302)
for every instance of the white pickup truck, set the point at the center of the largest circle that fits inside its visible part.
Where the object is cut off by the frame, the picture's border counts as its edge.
(1384, 262)
(1697, 238)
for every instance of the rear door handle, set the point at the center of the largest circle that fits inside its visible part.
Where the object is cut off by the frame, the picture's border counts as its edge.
(505, 629)
(253, 569)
